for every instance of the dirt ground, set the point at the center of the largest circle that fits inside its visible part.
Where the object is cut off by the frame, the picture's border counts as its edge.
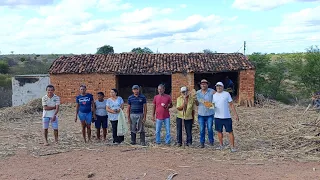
(274, 142)
(154, 163)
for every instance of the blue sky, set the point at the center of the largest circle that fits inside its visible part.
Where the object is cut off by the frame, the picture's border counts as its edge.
(81, 26)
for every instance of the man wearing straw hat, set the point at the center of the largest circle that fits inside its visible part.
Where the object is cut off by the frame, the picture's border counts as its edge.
(185, 107)
(222, 104)
(205, 114)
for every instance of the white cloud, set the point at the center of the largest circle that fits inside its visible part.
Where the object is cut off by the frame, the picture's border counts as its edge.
(143, 15)
(304, 21)
(183, 6)
(75, 26)
(25, 2)
(112, 5)
(261, 5)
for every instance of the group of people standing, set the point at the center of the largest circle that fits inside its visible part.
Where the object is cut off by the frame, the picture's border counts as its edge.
(102, 110)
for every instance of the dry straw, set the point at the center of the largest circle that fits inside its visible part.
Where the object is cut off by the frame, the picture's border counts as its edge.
(270, 130)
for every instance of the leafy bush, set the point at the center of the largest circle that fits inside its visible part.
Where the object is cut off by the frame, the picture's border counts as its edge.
(270, 76)
(5, 81)
(4, 67)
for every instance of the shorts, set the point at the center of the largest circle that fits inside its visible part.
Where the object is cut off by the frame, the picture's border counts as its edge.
(87, 117)
(227, 123)
(101, 120)
(46, 121)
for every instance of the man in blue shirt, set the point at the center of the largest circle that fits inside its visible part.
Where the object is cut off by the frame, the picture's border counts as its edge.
(137, 113)
(205, 114)
(84, 109)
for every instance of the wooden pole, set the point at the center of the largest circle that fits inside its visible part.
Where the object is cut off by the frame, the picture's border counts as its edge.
(183, 118)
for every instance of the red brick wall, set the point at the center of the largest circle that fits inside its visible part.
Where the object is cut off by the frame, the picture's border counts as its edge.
(246, 86)
(178, 80)
(67, 85)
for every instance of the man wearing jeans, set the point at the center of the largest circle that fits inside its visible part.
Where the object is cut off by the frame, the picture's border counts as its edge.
(160, 114)
(205, 114)
(137, 114)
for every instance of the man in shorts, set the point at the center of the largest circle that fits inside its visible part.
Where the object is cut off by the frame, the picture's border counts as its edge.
(50, 103)
(223, 103)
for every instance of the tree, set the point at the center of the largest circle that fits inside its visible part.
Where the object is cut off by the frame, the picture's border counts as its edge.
(106, 49)
(139, 50)
(208, 51)
(306, 67)
(269, 75)
(4, 67)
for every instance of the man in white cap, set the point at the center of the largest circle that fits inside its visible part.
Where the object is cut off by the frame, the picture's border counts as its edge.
(185, 107)
(223, 103)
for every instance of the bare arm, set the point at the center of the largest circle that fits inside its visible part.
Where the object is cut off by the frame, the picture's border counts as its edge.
(57, 110)
(179, 106)
(233, 109)
(128, 113)
(110, 110)
(153, 110)
(145, 111)
(196, 102)
(48, 108)
(77, 110)
(93, 106)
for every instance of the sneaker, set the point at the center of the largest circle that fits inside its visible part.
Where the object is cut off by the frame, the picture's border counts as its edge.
(219, 148)
(233, 150)
(202, 145)
(179, 144)
(211, 144)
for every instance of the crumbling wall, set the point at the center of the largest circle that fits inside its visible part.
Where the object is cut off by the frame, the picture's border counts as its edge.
(27, 88)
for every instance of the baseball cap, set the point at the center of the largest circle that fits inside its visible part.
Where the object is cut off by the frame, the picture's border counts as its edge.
(204, 81)
(135, 87)
(183, 89)
(219, 84)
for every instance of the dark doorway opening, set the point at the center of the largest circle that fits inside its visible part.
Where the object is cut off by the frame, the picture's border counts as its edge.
(148, 83)
(213, 78)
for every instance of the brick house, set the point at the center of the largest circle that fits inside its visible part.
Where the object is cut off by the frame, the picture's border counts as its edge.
(121, 71)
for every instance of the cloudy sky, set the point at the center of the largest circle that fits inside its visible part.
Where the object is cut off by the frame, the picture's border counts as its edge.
(80, 26)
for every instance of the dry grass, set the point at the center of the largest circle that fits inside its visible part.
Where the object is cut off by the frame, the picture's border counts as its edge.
(271, 131)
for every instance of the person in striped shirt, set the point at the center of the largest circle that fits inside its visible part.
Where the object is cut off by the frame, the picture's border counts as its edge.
(50, 103)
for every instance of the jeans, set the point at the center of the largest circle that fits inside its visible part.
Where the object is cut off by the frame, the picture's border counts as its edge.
(188, 128)
(206, 121)
(158, 130)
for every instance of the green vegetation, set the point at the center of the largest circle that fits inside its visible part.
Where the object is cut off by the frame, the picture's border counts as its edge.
(5, 81)
(287, 77)
(106, 49)
(139, 50)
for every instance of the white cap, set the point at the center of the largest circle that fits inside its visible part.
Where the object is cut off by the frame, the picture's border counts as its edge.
(183, 89)
(219, 84)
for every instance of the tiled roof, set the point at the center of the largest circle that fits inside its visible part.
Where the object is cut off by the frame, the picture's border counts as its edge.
(131, 63)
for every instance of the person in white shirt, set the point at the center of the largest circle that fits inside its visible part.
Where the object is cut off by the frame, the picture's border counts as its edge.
(223, 103)
(101, 116)
(50, 103)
